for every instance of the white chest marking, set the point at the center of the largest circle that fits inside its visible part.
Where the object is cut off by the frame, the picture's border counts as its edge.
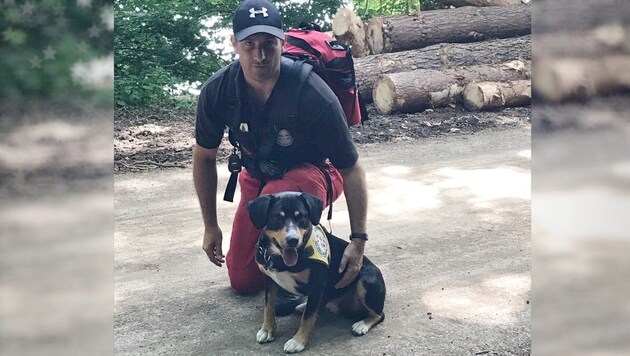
(285, 280)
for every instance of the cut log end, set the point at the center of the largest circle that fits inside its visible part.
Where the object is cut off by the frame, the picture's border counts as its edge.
(473, 97)
(375, 35)
(384, 95)
(342, 22)
(349, 29)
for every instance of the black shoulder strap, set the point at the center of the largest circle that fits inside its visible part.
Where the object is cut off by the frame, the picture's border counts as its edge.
(234, 105)
(232, 95)
(299, 71)
(235, 67)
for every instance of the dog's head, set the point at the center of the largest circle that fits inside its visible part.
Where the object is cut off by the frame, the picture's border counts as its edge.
(286, 218)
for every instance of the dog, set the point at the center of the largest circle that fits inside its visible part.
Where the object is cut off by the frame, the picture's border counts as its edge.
(295, 253)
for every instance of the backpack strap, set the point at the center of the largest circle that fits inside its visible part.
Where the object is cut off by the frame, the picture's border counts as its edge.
(299, 82)
(233, 100)
(234, 104)
(299, 71)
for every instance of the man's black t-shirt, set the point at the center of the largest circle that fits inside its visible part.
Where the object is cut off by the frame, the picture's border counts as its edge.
(318, 131)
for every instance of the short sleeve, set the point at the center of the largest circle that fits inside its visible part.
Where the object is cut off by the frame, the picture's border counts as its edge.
(209, 128)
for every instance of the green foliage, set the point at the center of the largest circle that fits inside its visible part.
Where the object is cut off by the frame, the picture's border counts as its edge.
(41, 41)
(367, 9)
(161, 44)
(319, 12)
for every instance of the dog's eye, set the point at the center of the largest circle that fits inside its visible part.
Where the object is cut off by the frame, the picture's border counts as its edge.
(301, 216)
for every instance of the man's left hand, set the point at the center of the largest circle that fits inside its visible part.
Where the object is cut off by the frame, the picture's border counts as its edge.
(351, 262)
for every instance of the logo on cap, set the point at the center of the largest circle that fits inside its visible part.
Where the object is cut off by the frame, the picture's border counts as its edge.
(253, 12)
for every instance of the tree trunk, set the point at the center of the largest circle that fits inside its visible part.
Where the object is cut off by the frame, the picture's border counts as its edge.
(349, 29)
(581, 78)
(445, 55)
(460, 3)
(467, 24)
(479, 96)
(426, 88)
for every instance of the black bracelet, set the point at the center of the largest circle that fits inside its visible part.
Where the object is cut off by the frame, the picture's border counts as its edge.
(359, 235)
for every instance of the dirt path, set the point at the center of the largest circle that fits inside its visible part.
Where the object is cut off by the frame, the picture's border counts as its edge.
(450, 225)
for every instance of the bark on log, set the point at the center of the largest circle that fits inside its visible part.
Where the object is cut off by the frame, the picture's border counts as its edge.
(581, 78)
(444, 55)
(466, 24)
(460, 3)
(349, 29)
(603, 40)
(426, 88)
(479, 96)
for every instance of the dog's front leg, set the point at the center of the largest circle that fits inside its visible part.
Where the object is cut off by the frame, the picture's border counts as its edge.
(300, 339)
(265, 334)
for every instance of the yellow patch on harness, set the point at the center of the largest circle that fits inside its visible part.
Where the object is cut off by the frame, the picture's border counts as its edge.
(320, 246)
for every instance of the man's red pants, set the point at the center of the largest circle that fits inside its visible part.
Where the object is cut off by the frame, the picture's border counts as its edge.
(245, 277)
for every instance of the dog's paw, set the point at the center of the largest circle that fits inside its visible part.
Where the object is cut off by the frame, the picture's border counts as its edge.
(360, 328)
(332, 307)
(264, 336)
(300, 308)
(293, 346)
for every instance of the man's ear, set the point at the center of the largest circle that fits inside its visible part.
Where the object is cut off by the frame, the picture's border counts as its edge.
(257, 209)
(233, 41)
(314, 205)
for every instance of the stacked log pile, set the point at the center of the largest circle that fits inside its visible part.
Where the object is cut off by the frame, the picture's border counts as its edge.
(408, 63)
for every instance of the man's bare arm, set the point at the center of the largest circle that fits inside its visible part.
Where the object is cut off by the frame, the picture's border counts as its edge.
(205, 179)
(355, 190)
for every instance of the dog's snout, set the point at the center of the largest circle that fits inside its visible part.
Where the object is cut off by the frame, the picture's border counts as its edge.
(292, 240)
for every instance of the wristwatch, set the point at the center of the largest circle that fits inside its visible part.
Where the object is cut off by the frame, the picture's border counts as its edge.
(359, 235)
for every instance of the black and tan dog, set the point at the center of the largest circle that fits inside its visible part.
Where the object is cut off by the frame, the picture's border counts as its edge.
(298, 255)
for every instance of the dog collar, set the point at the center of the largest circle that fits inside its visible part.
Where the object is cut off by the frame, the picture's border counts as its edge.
(319, 246)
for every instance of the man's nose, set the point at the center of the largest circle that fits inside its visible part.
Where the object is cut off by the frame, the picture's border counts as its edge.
(260, 54)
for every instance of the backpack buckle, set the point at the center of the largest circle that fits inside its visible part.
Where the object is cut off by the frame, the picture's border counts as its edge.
(336, 45)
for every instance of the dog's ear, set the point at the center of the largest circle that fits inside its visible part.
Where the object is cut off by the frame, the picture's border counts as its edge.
(314, 205)
(258, 208)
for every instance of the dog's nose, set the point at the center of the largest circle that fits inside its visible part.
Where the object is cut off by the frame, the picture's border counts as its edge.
(292, 240)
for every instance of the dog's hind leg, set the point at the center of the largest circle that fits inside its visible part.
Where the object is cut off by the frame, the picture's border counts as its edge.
(372, 298)
(265, 334)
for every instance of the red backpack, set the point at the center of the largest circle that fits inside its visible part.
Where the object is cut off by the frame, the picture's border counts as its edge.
(332, 61)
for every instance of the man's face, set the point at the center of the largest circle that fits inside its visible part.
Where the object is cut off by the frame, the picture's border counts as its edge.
(260, 56)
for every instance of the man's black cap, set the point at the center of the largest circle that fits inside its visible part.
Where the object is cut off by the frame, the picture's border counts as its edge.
(255, 16)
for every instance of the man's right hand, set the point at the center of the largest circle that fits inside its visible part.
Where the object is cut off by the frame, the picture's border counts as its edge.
(212, 239)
